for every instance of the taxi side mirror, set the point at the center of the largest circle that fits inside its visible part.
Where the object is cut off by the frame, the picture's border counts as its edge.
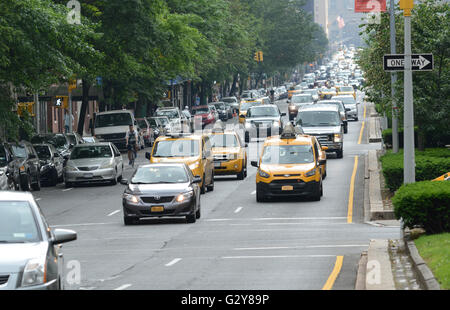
(324, 148)
(254, 164)
(322, 162)
(197, 179)
(148, 155)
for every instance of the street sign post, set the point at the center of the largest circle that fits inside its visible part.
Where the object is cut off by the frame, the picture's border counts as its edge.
(419, 62)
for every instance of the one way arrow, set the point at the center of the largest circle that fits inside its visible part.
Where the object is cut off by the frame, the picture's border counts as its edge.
(423, 62)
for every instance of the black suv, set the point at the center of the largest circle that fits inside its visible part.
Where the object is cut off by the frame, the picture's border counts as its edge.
(52, 164)
(25, 166)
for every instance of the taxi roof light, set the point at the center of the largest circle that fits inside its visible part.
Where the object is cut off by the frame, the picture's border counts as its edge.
(289, 132)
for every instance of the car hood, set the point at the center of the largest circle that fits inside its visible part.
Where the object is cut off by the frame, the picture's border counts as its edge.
(110, 130)
(90, 162)
(184, 160)
(15, 255)
(263, 119)
(287, 169)
(322, 130)
(158, 189)
(225, 150)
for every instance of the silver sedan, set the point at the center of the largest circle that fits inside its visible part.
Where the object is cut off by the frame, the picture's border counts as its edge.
(94, 163)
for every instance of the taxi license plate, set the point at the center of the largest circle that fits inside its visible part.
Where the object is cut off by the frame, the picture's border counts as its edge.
(287, 188)
(88, 175)
(157, 209)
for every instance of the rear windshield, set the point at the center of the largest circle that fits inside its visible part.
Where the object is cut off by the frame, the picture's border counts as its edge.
(318, 118)
(200, 111)
(17, 223)
(90, 151)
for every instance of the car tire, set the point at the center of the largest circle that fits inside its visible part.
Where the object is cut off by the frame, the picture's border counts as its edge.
(203, 187)
(260, 196)
(37, 185)
(25, 185)
(356, 119)
(198, 214)
(191, 218)
(128, 220)
(54, 180)
(210, 187)
(340, 153)
(114, 181)
(247, 137)
(346, 128)
(68, 185)
(318, 193)
(243, 174)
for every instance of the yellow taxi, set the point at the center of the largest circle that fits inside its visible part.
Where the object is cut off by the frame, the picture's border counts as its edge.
(229, 153)
(346, 90)
(296, 90)
(194, 150)
(444, 177)
(290, 166)
(327, 93)
(246, 104)
(322, 157)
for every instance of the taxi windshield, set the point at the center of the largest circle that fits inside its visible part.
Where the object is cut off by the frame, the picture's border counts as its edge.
(346, 88)
(287, 154)
(176, 148)
(224, 140)
(262, 112)
(302, 99)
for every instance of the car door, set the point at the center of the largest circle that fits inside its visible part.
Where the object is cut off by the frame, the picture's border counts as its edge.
(58, 161)
(117, 160)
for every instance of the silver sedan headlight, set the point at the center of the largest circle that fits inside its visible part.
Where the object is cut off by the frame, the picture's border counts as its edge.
(35, 272)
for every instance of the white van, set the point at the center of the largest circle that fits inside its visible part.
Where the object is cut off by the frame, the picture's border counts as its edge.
(112, 126)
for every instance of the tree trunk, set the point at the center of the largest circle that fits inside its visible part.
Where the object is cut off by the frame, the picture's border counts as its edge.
(233, 85)
(84, 106)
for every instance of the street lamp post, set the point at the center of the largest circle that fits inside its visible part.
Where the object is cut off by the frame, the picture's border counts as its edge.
(395, 145)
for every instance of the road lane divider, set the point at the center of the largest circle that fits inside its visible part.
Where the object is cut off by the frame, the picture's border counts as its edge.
(352, 193)
(123, 287)
(67, 189)
(114, 212)
(334, 274)
(173, 262)
(238, 210)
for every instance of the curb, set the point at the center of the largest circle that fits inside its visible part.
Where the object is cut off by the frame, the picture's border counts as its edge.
(426, 277)
(361, 273)
(378, 268)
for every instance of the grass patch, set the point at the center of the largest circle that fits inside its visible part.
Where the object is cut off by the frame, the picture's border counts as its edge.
(435, 250)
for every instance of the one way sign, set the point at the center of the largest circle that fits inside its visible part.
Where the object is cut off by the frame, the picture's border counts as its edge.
(419, 62)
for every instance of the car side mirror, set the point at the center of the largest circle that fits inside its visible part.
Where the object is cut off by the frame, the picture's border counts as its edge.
(324, 148)
(283, 114)
(197, 180)
(148, 155)
(347, 109)
(322, 162)
(63, 236)
(124, 182)
(254, 164)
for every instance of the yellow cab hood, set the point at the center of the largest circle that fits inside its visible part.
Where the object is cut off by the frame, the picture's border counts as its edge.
(287, 168)
(225, 150)
(185, 160)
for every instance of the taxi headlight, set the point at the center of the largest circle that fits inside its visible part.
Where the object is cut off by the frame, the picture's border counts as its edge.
(131, 198)
(263, 174)
(310, 173)
(35, 272)
(337, 137)
(185, 196)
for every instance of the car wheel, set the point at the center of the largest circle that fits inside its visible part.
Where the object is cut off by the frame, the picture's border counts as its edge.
(247, 137)
(211, 186)
(346, 129)
(114, 181)
(198, 213)
(318, 193)
(128, 220)
(25, 185)
(260, 196)
(356, 119)
(324, 175)
(191, 218)
(340, 153)
(54, 179)
(243, 174)
(203, 188)
(37, 185)
(68, 185)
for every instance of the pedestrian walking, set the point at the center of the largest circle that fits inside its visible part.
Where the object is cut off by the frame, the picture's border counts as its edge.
(68, 117)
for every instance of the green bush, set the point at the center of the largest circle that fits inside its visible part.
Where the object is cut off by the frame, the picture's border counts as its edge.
(430, 164)
(387, 137)
(426, 204)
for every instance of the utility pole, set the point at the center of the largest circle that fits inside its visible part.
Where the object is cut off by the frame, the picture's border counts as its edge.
(395, 144)
(409, 173)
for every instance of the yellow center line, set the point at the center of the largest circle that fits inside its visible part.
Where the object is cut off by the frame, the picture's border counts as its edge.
(361, 132)
(352, 190)
(334, 274)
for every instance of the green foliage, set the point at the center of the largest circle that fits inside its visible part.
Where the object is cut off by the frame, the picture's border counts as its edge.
(425, 204)
(387, 137)
(430, 164)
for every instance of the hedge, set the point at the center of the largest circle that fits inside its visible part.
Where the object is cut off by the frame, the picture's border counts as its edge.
(430, 164)
(387, 137)
(425, 204)
(432, 139)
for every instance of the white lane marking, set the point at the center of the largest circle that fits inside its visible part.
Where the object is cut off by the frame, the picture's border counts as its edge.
(276, 256)
(238, 210)
(115, 212)
(304, 247)
(173, 262)
(253, 193)
(67, 189)
(123, 287)
(277, 218)
(37, 199)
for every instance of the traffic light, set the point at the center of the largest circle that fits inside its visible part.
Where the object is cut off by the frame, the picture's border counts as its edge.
(62, 102)
(72, 84)
(25, 106)
(259, 56)
(256, 58)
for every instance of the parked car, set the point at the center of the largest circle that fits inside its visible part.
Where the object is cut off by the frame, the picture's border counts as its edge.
(52, 164)
(94, 163)
(6, 169)
(31, 256)
(90, 139)
(25, 166)
(146, 131)
(160, 125)
(60, 141)
(178, 122)
(161, 190)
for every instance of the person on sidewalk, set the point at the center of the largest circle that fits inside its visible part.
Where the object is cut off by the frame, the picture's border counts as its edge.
(67, 119)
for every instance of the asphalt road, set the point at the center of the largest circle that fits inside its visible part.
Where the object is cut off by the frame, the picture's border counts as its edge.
(237, 244)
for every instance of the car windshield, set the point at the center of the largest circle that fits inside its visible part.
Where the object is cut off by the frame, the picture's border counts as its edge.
(3, 159)
(114, 119)
(312, 92)
(176, 148)
(302, 99)
(346, 88)
(225, 140)
(72, 139)
(219, 106)
(19, 151)
(287, 154)
(163, 120)
(318, 118)
(58, 141)
(335, 103)
(169, 113)
(262, 112)
(160, 174)
(200, 111)
(17, 223)
(346, 100)
(246, 105)
(42, 151)
(229, 100)
(91, 151)
(329, 90)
